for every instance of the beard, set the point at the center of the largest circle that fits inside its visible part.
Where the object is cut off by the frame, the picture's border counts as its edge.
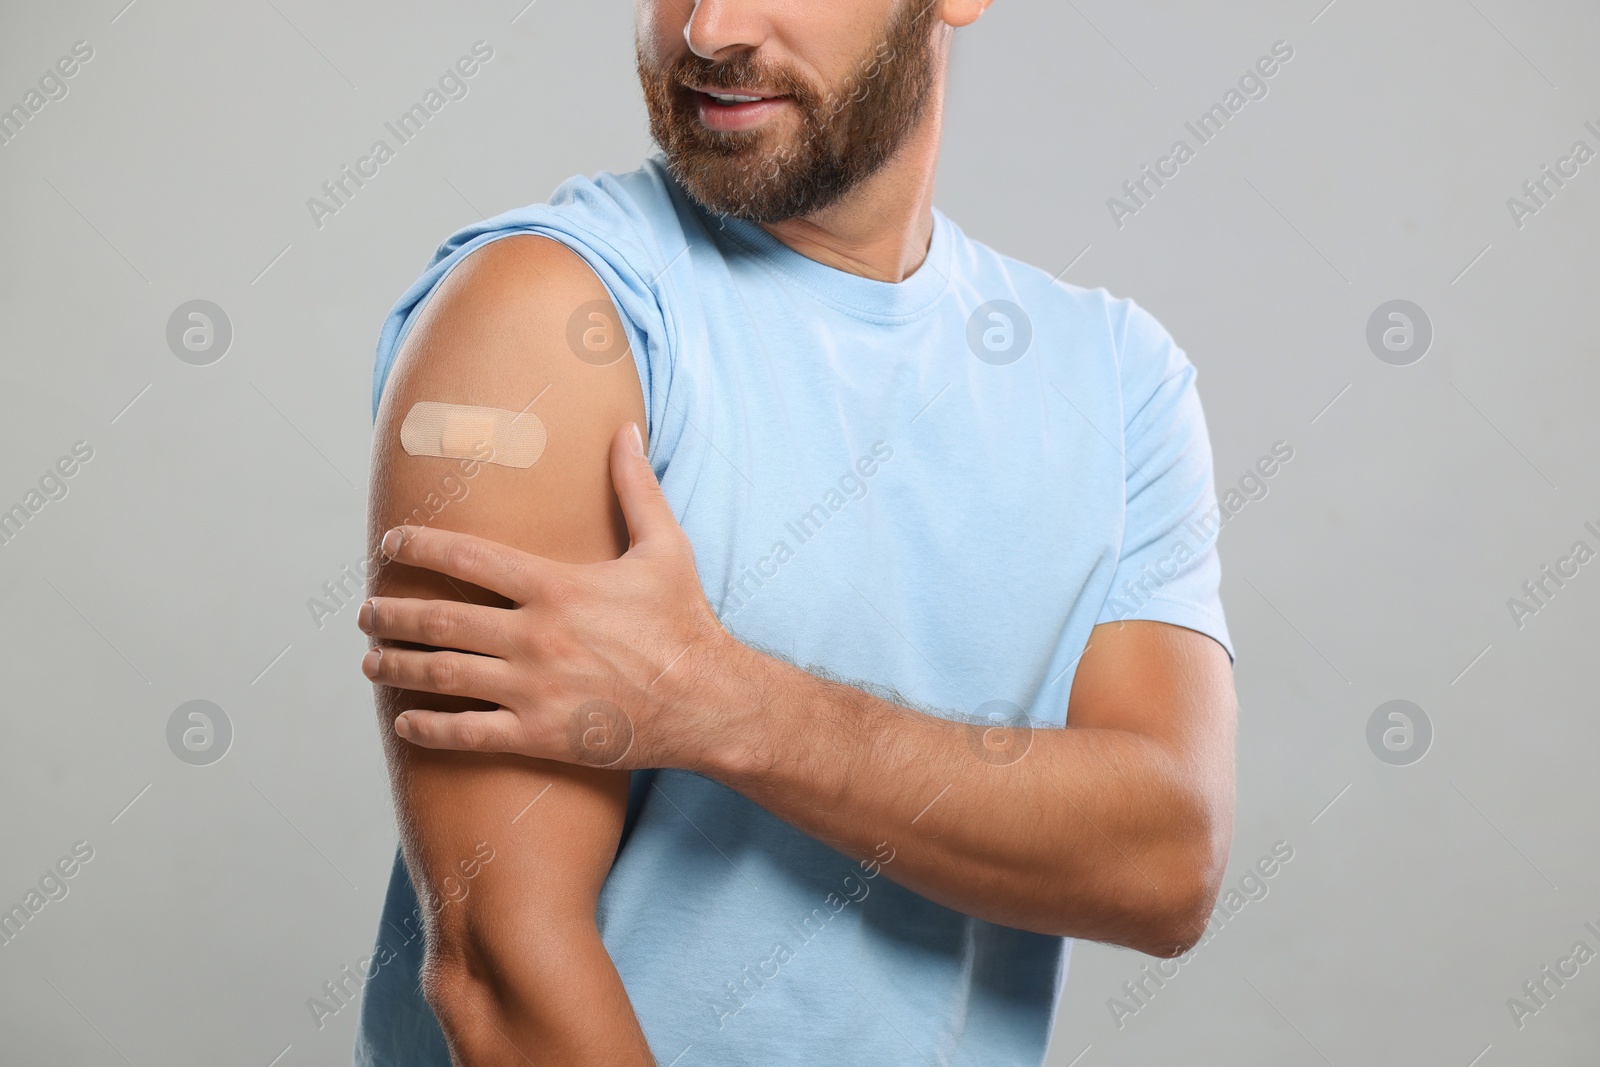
(847, 131)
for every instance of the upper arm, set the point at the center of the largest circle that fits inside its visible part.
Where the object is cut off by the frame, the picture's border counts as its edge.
(1168, 683)
(1171, 688)
(1159, 662)
(493, 334)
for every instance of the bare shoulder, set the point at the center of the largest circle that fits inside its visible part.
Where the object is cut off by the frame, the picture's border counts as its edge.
(1167, 681)
(520, 325)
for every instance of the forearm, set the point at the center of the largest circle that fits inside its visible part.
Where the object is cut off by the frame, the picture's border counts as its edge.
(1096, 833)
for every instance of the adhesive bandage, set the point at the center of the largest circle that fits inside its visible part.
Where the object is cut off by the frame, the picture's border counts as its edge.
(459, 431)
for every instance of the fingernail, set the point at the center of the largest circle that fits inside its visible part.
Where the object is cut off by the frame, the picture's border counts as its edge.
(402, 725)
(638, 441)
(369, 662)
(364, 616)
(391, 543)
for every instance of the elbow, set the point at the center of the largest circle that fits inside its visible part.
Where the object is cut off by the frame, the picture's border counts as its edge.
(1178, 910)
(456, 1002)
(486, 982)
(469, 1017)
(460, 986)
(477, 979)
(1177, 923)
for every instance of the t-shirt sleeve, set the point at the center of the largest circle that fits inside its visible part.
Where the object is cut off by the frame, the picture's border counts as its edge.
(598, 220)
(1168, 570)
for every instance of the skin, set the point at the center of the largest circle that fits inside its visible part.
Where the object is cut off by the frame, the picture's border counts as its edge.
(515, 969)
(562, 602)
(882, 230)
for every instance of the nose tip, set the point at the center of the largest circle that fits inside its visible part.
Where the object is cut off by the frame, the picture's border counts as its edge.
(688, 32)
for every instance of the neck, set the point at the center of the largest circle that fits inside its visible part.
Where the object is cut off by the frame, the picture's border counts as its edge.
(881, 229)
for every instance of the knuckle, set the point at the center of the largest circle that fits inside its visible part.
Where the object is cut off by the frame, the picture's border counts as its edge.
(440, 622)
(561, 591)
(443, 672)
(470, 733)
(557, 647)
(465, 555)
(543, 644)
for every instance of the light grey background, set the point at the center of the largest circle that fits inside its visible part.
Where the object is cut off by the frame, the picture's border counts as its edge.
(1418, 501)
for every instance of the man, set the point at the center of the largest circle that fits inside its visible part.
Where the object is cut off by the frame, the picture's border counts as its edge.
(740, 739)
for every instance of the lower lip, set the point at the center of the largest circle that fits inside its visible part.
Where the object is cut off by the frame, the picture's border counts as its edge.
(729, 118)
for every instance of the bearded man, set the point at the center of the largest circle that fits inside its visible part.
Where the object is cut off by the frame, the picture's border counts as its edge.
(797, 621)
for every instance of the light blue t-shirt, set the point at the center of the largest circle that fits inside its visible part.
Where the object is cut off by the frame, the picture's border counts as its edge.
(935, 487)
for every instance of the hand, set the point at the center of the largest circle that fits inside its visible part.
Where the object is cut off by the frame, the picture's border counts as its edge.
(592, 663)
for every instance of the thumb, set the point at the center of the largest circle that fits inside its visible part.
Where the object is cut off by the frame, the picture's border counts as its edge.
(644, 505)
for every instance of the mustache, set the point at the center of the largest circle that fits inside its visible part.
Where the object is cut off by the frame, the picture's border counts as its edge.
(745, 70)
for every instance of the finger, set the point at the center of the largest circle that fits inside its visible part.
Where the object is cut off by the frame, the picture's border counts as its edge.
(457, 674)
(461, 731)
(496, 567)
(444, 624)
(644, 505)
